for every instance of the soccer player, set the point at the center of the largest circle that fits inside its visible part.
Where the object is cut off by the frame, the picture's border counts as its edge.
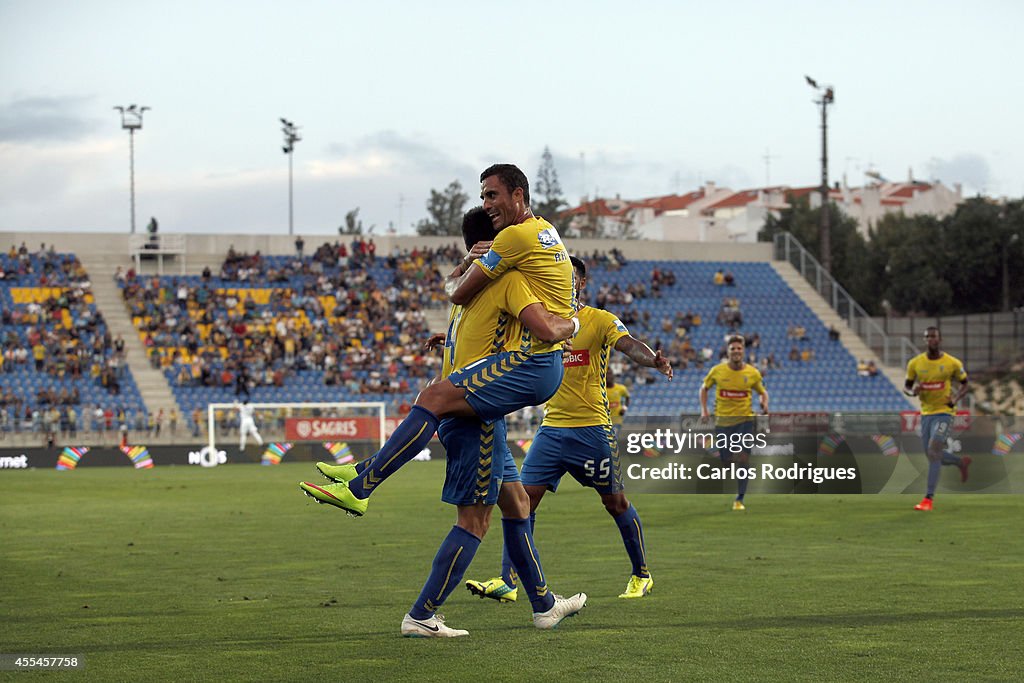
(618, 397)
(246, 425)
(734, 380)
(504, 381)
(475, 479)
(928, 378)
(576, 437)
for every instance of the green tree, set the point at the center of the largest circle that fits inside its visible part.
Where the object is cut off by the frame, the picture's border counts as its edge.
(916, 259)
(353, 226)
(977, 237)
(445, 210)
(546, 194)
(848, 247)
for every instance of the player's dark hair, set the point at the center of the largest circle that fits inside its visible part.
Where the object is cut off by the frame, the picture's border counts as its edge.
(578, 265)
(511, 177)
(932, 327)
(477, 227)
(736, 338)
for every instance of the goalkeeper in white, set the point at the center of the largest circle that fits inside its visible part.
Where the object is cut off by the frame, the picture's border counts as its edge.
(246, 425)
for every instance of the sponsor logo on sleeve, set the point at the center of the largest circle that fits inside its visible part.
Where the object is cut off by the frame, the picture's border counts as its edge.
(491, 259)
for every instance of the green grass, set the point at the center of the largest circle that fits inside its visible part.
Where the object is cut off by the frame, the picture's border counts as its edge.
(191, 574)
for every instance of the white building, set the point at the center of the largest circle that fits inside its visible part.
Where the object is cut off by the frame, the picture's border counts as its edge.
(713, 214)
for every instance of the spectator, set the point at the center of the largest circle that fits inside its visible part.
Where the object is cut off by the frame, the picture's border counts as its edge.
(719, 278)
(833, 333)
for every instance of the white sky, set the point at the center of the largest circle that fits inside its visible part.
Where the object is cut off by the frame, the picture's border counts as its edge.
(396, 98)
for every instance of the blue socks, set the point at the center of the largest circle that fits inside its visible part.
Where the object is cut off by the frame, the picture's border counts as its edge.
(415, 432)
(633, 538)
(526, 560)
(450, 564)
(934, 466)
(508, 572)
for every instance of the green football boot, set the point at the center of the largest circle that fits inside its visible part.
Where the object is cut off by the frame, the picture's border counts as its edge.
(337, 473)
(337, 495)
(495, 589)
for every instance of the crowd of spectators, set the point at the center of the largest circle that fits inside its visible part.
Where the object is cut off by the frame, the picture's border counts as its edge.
(323, 312)
(57, 335)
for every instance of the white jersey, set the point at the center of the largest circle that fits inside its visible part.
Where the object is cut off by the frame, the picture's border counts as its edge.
(245, 412)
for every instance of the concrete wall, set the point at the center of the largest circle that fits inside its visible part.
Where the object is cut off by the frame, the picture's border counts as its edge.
(116, 244)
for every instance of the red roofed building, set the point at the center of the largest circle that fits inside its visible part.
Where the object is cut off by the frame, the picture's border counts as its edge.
(713, 214)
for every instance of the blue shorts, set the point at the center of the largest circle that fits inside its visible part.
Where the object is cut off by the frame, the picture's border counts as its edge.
(509, 381)
(734, 434)
(470, 474)
(935, 428)
(589, 454)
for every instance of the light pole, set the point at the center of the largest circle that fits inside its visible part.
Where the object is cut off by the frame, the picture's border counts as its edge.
(131, 121)
(291, 136)
(827, 96)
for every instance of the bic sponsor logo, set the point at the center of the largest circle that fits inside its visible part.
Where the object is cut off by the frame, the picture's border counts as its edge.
(17, 463)
(576, 358)
(207, 457)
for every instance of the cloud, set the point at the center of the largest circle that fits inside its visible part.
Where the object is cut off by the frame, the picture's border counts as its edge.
(972, 170)
(611, 172)
(387, 153)
(45, 119)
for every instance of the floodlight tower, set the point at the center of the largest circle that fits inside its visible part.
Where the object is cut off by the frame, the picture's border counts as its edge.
(291, 136)
(826, 96)
(131, 121)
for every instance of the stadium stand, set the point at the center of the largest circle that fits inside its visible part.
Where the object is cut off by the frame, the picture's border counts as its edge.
(337, 327)
(61, 370)
(341, 324)
(820, 376)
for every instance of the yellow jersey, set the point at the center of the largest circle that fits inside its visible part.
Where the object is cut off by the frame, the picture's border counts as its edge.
(934, 377)
(734, 392)
(487, 324)
(617, 394)
(535, 250)
(581, 400)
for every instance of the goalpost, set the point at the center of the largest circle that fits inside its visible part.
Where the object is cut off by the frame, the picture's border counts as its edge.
(347, 419)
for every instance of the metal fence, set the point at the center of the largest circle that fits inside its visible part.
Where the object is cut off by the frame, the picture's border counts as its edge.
(980, 340)
(892, 349)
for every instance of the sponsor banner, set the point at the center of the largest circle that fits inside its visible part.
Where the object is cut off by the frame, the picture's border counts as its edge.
(336, 428)
(152, 458)
(911, 421)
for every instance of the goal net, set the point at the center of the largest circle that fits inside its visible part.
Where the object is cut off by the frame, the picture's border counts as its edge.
(333, 425)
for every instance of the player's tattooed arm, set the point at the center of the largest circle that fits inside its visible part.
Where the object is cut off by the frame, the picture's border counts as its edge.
(642, 354)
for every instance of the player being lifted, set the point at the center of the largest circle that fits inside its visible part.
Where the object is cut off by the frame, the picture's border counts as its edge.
(734, 381)
(577, 437)
(504, 381)
(929, 378)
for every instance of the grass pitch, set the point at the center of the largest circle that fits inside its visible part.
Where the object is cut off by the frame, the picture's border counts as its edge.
(232, 574)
